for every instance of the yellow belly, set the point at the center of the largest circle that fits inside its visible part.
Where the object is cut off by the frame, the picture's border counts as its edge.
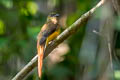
(52, 36)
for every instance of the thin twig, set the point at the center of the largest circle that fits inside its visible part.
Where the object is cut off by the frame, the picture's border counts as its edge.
(110, 52)
(64, 35)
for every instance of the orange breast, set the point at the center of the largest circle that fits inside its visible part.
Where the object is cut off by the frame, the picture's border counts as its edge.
(52, 36)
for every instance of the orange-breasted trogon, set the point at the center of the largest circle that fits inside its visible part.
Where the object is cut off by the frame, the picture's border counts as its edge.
(49, 31)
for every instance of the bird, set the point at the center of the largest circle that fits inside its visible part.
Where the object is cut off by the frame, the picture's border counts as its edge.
(49, 31)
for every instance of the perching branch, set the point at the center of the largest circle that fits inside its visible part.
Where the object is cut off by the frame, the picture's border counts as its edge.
(63, 36)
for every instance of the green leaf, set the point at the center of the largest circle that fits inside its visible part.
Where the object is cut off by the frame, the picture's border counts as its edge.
(117, 74)
(2, 31)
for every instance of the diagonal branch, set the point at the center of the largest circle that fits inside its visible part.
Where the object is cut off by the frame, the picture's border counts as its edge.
(64, 35)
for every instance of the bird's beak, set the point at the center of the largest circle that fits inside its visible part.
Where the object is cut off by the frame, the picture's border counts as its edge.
(57, 15)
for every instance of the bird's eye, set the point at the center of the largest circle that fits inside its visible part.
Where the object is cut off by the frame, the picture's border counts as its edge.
(52, 15)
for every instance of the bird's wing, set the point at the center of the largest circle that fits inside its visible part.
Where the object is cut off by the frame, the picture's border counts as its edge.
(51, 28)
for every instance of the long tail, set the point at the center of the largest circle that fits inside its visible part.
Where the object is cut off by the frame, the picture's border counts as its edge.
(40, 59)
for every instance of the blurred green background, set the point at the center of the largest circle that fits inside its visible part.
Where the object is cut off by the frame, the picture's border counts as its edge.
(20, 22)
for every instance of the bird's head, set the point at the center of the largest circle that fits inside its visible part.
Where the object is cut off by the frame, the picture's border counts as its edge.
(53, 17)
